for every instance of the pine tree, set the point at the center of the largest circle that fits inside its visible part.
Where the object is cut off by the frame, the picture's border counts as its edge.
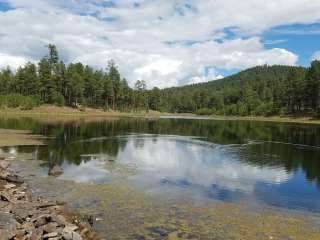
(115, 78)
(312, 97)
(6, 79)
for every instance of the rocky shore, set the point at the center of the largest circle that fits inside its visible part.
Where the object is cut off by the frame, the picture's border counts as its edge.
(27, 217)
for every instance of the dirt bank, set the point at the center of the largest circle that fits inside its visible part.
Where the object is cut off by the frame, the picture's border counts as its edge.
(54, 113)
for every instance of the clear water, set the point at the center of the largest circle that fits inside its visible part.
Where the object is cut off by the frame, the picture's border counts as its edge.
(277, 165)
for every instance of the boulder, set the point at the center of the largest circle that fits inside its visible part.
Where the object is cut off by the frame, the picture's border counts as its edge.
(55, 171)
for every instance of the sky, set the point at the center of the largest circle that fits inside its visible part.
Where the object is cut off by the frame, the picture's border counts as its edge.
(164, 42)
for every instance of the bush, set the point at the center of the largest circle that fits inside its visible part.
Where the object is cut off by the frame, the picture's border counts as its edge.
(14, 100)
(29, 104)
(19, 101)
(60, 101)
(243, 109)
(231, 109)
(265, 109)
(204, 111)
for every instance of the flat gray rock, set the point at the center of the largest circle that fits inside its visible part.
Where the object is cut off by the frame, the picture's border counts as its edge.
(8, 226)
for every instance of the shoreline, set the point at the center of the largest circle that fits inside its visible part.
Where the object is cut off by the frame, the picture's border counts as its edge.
(65, 113)
(24, 216)
(27, 216)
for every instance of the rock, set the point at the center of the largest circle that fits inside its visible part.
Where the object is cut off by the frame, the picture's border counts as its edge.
(20, 195)
(20, 212)
(20, 235)
(50, 235)
(71, 227)
(5, 207)
(41, 220)
(50, 227)
(23, 217)
(28, 227)
(9, 186)
(8, 226)
(6, 197)
(55, 171)
(70, 235)
(59, 219)
(159, 231)
(4, 165)
(90, 219)
(84, 231)
(36, 235)
(14, 179)
(46, 205)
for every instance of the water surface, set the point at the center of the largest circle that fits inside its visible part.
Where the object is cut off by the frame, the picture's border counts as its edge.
(199, 161)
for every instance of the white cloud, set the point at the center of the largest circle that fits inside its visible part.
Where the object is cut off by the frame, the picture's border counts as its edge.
(12, 61)
(316, 56)
(137, 37)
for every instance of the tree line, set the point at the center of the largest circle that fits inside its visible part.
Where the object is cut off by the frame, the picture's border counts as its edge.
(262, 90)
(51, 81)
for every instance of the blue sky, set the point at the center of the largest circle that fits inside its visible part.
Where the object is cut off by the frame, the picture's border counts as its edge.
(302, 39)
(165, 42)
(4, 6)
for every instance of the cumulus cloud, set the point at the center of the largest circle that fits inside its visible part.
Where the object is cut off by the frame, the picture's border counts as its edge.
(164, 42)
(12, 61)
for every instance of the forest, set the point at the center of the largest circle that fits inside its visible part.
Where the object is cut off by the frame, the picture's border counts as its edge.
(262, 90)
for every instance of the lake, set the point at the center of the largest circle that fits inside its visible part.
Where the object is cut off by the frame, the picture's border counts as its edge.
(158, 178)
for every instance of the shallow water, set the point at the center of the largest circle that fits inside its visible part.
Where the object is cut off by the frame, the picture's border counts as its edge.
(135, 172)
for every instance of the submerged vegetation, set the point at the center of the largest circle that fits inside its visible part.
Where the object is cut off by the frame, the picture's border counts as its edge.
(263, 90)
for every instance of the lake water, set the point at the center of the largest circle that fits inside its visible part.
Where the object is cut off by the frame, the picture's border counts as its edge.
(177, 161)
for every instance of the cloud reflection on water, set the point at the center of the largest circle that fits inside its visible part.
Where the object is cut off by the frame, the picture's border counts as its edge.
(186, 162)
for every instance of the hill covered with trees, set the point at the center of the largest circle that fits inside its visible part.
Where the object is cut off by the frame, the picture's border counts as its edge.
(262, 90)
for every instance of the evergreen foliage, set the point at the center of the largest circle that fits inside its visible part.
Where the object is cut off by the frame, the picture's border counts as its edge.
(262, 90)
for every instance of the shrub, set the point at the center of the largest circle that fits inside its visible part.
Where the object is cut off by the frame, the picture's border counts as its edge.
(243, 109)
(28, 104)
(204, 111)
(17, 100)
(14, 100)
(265, 109)
(231, 109)
(60, 101)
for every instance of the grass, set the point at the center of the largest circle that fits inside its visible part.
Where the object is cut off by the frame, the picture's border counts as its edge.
(57, 113)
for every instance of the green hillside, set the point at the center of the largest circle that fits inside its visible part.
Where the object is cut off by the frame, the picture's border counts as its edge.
(260, 90)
